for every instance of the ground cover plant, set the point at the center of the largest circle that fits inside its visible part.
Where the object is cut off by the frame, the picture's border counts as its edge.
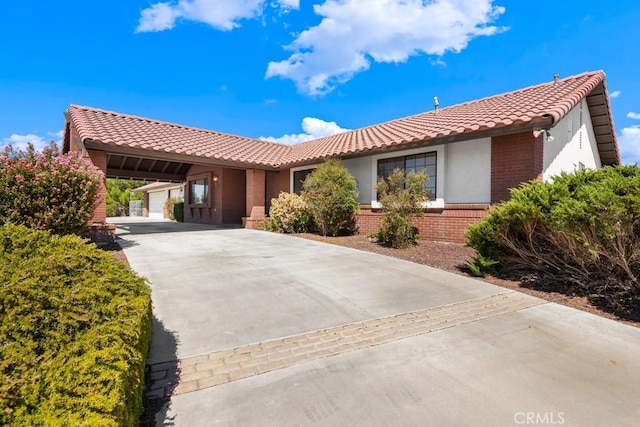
(48, 190)
(75, 326)
(402, 197)
(578, 234)
(331, 194)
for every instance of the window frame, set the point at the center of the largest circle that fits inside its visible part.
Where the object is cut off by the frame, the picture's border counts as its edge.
(207, 185)
(431, 186)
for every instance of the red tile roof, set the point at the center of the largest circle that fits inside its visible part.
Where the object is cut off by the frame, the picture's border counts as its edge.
(122, 130)
(541, 105)
(531, 105)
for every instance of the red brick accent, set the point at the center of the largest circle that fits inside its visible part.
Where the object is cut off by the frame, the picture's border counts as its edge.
(515, 159)
(255, 191)
(277, 181)
(233, 182)
(446, 225)
(99, 159)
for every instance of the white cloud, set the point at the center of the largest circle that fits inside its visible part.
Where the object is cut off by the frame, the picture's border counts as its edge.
(313, 128)
(220, 14)
(629, 141)
(615, 94)
(352, 33)
(632, 115)
(22, 141)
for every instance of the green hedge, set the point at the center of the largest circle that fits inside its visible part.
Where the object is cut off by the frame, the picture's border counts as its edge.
(74, 333)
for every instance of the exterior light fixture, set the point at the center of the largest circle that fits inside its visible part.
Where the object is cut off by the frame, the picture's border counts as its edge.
(215, 178)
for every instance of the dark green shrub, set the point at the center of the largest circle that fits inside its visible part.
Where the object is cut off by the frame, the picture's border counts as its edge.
(578, 234)
(331, 194)
(169, 207)
(75, 330)
(290, 214)
(402, 197)
(178, 211)
(48, 191)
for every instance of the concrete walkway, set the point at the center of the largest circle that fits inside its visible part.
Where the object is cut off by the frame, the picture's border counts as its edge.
(254, 328)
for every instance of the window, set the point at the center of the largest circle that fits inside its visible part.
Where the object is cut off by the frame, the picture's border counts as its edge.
(417, 163)
(298, 179)
(199, 191)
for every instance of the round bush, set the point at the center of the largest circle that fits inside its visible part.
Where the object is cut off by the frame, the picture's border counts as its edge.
(289, 213)
(331, 193)
(75, 331)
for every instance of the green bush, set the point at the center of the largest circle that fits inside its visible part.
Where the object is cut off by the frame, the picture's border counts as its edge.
(578, 234)
(290, 214)
(168, 206)
(48, 191)
(178, 211)
(75, 331)
(402, 197)
(331, 194)
(119, 195)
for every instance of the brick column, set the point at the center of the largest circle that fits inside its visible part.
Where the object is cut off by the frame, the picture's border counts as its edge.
(255, 197)
(514, 159)
(99, 159)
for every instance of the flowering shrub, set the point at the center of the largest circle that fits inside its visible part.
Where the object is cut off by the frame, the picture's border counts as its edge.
(290, 214)
(48, 190)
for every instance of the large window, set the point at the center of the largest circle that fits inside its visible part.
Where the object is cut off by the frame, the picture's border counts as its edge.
(298, 179)
(417, 163)
(199, 191)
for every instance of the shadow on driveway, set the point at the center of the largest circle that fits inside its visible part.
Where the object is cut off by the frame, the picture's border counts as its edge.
(129, 226)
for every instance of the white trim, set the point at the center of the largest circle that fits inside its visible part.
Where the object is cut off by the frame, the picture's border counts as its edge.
(438, 203)
(300, 168)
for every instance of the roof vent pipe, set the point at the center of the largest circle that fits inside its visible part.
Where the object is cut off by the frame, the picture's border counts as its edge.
(555, 79)
(436, 104)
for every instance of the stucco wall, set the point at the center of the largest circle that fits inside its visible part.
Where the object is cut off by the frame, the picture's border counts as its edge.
(467, 174)
(572, 144)
(361, 168)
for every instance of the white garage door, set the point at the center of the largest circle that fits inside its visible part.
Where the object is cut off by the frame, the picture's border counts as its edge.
(156, 204)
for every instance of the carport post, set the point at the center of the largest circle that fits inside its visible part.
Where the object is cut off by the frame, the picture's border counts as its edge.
(255, 198)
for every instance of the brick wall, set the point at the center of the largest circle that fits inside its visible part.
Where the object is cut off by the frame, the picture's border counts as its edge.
(514, 159)
(99, 159)
(233, 183)
(277, 181)
(446, 225)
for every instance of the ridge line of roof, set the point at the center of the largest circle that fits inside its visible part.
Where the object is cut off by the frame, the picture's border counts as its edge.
(173, 124)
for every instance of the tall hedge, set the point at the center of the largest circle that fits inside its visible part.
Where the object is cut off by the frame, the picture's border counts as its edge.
(75, 327)
(578, 234)
(48, 190)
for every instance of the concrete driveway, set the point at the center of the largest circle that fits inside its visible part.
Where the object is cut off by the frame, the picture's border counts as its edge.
(277, 330)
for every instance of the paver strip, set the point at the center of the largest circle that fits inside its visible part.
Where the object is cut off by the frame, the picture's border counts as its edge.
(209, 370)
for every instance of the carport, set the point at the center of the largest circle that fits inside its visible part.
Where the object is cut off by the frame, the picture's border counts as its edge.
(225, 181)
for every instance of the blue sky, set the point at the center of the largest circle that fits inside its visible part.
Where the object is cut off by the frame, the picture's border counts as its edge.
(294, 69)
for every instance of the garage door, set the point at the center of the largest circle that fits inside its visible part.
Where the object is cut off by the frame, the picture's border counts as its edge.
(156, 204)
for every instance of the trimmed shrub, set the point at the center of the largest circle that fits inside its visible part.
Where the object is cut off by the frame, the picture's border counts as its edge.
(402, 197)
(75, 327)
(577, 234)
(168, 206)
(178, 211)
(48, 191)
(331, 194)
(290, 214)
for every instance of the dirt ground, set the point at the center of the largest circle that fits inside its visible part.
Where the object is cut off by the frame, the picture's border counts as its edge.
(445, 256)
